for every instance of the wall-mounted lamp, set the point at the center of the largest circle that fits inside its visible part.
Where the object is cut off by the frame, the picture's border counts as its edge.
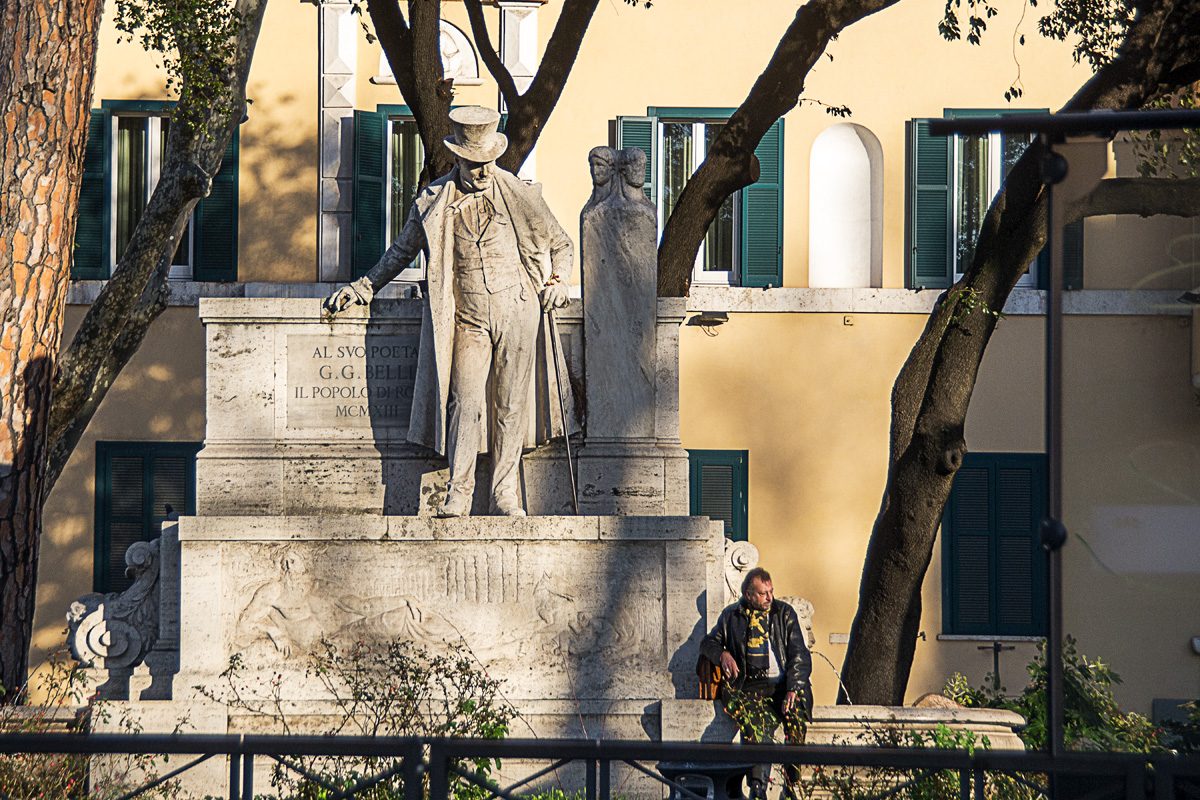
(709, 319)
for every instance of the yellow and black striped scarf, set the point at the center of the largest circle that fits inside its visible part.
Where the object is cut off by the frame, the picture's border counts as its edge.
(757, 639)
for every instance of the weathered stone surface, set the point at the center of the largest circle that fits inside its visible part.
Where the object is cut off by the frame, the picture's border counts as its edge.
(704, 720)
(618, 236)
(550, 605)
(286, 433)
(858, 725)
(632, 462)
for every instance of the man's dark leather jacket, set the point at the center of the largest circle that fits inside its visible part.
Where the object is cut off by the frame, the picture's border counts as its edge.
(787, 640)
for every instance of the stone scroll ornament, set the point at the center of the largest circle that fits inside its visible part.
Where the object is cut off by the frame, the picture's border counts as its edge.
(740, 558)
(115, 631)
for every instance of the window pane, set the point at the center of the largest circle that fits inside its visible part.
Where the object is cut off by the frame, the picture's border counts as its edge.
(1013, 147)
(181, 254)
(131, 177)
(973, 195)
(677, 162)
(407, 156)
(718, 249)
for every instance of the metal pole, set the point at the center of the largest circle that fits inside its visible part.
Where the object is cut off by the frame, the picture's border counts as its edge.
(1054, 169)
(590, 783)
(439, 785)
(412, 772)
(248, 776)
(605, 778)
(235, 776)
(556, 349)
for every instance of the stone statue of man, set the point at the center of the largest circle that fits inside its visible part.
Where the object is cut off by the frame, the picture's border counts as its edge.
(496, 260)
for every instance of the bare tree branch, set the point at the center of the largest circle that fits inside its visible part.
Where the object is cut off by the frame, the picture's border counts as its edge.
(136, 293)
(528, 118)
(1145, 197)
(491, 59)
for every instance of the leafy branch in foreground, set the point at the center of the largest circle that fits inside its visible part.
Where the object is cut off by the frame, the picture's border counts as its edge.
(389, 688)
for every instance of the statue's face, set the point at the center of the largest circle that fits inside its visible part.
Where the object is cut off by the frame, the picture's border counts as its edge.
(475, 176)
(634, 172)
(759, 594)
(602, 170)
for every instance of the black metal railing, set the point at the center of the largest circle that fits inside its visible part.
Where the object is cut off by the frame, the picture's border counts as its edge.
(428, 767)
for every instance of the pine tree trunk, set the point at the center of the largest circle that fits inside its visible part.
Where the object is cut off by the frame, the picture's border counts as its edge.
(47, 62)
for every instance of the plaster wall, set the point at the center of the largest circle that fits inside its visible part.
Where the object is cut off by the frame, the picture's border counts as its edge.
(159, 396)
(811, 406)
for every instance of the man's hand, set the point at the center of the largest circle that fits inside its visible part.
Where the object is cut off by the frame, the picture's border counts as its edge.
(728, 665)
(357, 293)
(554, 296)
(789, 702)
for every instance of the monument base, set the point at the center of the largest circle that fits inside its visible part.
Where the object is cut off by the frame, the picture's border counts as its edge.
(621, 477)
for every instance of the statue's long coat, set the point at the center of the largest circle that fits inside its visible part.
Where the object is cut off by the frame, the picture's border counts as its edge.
(545, 249)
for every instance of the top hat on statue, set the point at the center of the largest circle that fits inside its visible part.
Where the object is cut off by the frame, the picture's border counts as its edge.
(475, 137)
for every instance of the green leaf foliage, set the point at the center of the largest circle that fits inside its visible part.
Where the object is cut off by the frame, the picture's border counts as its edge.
(196, 40)
(1092, 718)
(379, 688)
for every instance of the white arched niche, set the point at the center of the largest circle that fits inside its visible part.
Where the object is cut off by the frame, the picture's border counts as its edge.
(459, 60)
(845, 209)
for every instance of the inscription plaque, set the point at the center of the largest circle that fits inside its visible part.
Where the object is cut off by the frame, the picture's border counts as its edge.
(350, 381)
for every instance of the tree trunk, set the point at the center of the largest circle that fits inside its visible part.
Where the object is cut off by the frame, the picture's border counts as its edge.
(731, 164)
(137, 293)
(413, 50)
(47, 62)
(932, 393)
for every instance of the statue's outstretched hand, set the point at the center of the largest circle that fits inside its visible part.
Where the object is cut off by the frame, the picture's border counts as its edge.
(358, 293)
(554, 296)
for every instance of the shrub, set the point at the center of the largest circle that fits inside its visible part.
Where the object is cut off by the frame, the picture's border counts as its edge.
(1092, 720)
(62, 683)
(394, 688)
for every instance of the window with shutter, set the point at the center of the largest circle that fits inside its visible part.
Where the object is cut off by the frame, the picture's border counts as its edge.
(138, 484)
(719, 484)
(122, 165)
(744, 245)
(388, 158)
(993, 566)
(951, 183)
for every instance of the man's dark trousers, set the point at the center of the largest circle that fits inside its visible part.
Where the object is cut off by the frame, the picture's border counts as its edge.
(757, 708)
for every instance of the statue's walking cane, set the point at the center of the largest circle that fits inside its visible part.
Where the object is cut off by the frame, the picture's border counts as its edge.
(555, 351)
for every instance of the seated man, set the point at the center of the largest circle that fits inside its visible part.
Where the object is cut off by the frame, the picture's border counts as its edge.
(759, 645)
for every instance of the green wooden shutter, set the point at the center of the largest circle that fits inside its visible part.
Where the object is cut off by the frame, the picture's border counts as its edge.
(642, 133)
(370, 191)
(1020, 491)
(762, 215)
(927, 251)
(216, 222)
(718, 489)
(136, 482)
(993, 571)
(91, 256)
(121, 502)
(969, 564)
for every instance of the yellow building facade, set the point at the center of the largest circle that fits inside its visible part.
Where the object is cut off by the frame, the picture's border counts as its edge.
(796, 380)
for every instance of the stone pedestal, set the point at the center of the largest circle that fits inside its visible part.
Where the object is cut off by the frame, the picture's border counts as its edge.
(309, 416)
